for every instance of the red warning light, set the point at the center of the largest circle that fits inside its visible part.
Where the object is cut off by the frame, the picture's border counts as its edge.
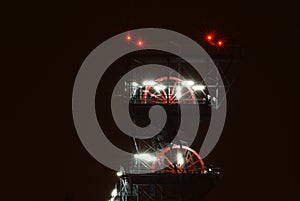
(220, 43)
(140, 43)
(128, 37)
(209, 37)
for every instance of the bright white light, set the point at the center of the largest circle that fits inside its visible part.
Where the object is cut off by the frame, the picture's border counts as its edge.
(188, 82)
(199, 87)
(180, 160)
(159, 87)
(114, 193)
(145, 157)
(149, 83)
(178, 92)
(178, 88)
(119, 173)
(134, 84)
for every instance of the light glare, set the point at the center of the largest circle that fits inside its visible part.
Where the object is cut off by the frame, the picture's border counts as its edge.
(149, 83)
(220, 43)
(134, 84)
(114, 193)
(188, 82)
(199, 87)
(128, 37)
(159, 87)
(140, 43)
(209, 37)
(145, 157)
(180, 160)
(178, 92)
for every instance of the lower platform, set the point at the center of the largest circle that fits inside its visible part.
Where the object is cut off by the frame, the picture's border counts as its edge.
(183, 186)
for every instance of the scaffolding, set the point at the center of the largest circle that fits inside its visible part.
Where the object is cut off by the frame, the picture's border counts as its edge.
(161, 170)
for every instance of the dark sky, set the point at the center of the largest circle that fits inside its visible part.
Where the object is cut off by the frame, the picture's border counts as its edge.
(44, 44)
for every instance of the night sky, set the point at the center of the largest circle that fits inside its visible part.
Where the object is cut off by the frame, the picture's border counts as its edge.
(44, 46)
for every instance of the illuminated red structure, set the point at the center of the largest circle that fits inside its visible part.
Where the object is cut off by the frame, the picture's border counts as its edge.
(188, 161)
(163, 169)
(175, 94)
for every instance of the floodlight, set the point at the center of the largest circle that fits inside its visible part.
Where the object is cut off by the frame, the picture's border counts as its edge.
(180, 160)
(149, 83)
(188, 82)
(114, 193)
(198, 87)
(145, 157)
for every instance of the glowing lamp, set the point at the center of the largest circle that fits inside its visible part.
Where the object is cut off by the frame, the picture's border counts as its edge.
(220, 43)
(140, 43)
(209, 37)
(128, 37)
